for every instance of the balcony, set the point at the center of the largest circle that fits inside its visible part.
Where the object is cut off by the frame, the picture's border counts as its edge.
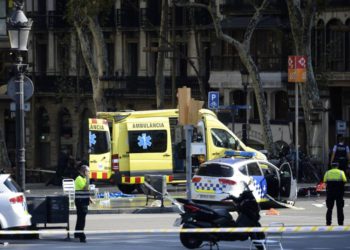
(264, 63)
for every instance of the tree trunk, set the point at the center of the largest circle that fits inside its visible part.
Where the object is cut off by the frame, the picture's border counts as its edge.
(159, 79)
(301, 21)
(246, 59)
(98, 94)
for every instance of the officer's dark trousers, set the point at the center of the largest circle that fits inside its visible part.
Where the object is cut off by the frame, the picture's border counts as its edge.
(331, 198)
(82, 210)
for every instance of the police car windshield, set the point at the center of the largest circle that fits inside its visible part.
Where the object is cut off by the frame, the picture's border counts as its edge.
(215, 170)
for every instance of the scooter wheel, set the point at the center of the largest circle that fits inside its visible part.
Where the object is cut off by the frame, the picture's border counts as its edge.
(189, 241)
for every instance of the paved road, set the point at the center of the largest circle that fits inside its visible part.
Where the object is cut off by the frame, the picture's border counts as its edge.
(104, 231)
(329, 241)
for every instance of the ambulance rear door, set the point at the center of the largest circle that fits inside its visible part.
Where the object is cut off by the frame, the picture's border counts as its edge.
(150, 150)
(99, 149)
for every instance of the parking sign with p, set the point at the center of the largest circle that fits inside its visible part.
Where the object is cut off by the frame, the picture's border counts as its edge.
(213, 100)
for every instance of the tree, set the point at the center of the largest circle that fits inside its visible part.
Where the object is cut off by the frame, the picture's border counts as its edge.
(301, 16)
(243, 49)
(159, 79)
(84, 14)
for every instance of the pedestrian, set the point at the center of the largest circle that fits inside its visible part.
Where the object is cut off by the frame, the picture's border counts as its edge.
(335, 180)
(82, 200)
(341, 154)
(62, 165)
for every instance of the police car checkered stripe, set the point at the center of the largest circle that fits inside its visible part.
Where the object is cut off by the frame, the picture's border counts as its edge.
(210, 187)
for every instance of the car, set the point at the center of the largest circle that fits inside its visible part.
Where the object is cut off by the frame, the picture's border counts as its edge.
(13, 205)
(214, 180)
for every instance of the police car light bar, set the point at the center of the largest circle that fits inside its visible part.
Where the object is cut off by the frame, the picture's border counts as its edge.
(244, 154)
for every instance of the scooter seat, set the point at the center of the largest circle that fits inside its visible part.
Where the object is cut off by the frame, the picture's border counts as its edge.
(223, 212)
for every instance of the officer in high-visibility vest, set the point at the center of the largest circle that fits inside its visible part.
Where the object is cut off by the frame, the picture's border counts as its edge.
(82, 200)
(335, 180)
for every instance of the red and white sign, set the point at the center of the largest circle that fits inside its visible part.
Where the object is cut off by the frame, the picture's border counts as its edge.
(297, 68)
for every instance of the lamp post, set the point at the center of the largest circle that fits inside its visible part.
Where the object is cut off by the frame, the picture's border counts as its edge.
(18, 30)
(245, 82)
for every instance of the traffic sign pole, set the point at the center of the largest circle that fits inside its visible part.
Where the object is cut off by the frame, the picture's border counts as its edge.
(296, 131)
(297, 74)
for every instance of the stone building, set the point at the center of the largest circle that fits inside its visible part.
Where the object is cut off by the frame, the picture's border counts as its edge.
(62, 101)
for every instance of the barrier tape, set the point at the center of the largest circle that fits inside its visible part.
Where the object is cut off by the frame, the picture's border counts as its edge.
(291, 229)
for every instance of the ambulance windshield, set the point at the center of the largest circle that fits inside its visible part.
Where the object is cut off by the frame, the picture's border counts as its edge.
(99, 142)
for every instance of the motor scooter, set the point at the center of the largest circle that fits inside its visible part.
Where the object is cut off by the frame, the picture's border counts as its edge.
(202, 216)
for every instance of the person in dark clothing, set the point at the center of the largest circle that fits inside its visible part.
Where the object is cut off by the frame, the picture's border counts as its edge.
(82, 201)
(335, 180)
(341, 154)
(62, 164)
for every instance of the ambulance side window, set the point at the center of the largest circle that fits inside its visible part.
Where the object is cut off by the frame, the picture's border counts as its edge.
(148, 141)
(222, 138)
(254, 169)
(99, 142)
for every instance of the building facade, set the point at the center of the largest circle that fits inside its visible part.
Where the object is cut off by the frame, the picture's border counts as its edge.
(62, 100)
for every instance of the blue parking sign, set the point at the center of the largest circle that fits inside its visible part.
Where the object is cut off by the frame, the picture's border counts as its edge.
(213, 100)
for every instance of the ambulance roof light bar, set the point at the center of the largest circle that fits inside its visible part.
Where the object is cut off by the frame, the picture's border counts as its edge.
(243, 154)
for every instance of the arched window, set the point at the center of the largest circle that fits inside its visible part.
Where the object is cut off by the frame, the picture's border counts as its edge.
(238, 99)
(43, 123)
(320, 46)
(335, 48)
(281, 105)
(43, 135)
(255, 106)
(65, 124)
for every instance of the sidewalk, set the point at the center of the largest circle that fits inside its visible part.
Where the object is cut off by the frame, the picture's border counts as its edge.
(116, 203)
(135, 203)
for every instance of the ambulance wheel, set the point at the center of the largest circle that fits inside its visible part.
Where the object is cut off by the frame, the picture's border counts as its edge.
(126, 189)
(189, 241)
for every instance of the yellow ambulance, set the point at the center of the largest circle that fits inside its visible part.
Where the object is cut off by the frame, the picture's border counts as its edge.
(126, 146)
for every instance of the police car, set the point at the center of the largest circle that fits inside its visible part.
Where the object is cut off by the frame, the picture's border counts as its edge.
(13, 205)
(215, 179)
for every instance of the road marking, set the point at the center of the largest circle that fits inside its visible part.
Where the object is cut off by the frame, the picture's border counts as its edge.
(290, 229)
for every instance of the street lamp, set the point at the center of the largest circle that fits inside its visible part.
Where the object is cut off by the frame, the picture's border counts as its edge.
(18, 29)
(245, 82)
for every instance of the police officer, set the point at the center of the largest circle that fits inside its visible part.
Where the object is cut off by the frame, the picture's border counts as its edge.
(82, 200)
(335, 180)
(341, 154)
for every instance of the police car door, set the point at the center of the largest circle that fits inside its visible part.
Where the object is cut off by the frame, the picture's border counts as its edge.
(150, 150)
(288, 184)
(258, 181)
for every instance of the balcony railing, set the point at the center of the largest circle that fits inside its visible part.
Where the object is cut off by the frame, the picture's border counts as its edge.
(268, 63)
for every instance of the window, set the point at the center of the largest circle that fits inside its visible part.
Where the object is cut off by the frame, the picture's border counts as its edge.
(335, 45)
(281, 105)
(12, 185)
(255, 107)
(243, 170)
(222, 139)
(148, 141)
(253, 169)
(99, 142)
(215, 170)
(132, 59)
(2, 18)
